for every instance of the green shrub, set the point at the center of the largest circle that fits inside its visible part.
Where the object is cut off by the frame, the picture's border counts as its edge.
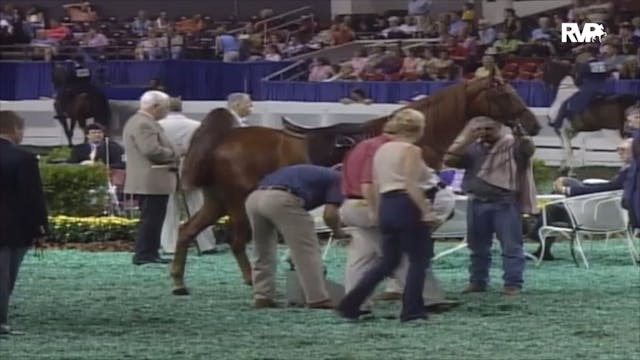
(57, 153)
(75, 190)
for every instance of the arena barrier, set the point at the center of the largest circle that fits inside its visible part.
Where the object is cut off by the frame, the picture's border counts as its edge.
(43, 130)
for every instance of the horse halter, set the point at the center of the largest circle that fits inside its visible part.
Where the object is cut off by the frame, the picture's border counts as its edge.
(512, 119)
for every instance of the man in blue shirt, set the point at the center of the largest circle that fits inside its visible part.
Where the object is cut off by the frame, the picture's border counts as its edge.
(281, 203)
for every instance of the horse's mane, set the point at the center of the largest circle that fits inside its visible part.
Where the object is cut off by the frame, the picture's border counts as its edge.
(196, 171)
(445, 114)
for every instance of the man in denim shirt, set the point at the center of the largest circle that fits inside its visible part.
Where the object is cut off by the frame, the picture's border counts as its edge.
(281, 203)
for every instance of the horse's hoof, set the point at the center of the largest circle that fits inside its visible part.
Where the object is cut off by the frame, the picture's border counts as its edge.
(180, 291)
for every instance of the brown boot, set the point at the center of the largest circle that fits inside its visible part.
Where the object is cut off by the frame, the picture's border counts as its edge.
(473, 288)
(510, 291)
(388, 296)
(324, 304)
(265, 304)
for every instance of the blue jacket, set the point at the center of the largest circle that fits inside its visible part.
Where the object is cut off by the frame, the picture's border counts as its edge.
(631, 188)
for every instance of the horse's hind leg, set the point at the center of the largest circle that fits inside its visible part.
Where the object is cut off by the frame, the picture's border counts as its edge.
(210, 212)
(566, 167)
(241, 230)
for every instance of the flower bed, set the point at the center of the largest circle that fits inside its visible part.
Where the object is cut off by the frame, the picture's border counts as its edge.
(68, 229)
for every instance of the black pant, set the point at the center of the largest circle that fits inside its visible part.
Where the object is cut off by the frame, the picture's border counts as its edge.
(10, 260)
(402, 232)
(152, 211)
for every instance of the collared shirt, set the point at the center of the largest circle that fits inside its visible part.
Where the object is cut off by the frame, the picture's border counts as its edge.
(472, 160)
(357, 167)
(242, 122)
(316, 185)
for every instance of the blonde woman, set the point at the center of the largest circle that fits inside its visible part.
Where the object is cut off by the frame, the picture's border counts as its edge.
(403, 215)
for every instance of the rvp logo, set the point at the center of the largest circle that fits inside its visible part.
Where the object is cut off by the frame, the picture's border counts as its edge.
(591, 33)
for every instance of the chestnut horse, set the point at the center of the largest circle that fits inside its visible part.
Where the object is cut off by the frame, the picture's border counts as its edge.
(241, 157)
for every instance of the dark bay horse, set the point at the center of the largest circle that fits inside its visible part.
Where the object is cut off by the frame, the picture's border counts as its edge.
(239, 158)
(76, 107)
(604, 113)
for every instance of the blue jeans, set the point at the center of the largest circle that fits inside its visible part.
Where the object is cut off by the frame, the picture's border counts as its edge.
(402, 231)
(503, 219)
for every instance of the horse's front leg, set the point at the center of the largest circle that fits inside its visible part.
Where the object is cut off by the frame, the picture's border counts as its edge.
(241, 233)
(567, 162)
(210, 212)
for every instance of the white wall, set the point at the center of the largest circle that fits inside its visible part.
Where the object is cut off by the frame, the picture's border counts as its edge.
(43, 130)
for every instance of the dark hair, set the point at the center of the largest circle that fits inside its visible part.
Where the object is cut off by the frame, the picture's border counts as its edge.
(9, 122)
(359, 92)
(95, 126)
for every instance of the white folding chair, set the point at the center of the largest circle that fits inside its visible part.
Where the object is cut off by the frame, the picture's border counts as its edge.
(593, 214)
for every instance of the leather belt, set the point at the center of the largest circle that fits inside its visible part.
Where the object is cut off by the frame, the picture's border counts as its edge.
(355, 197)
(277, 187)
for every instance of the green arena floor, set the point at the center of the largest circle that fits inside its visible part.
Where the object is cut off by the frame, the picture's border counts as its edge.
(81, 305)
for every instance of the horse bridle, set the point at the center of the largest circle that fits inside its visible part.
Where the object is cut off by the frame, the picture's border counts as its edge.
(513, 119)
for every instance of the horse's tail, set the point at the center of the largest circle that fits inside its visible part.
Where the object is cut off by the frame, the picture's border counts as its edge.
(196, 169)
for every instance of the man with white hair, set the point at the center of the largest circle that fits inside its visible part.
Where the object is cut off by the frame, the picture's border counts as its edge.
(151, 172)
(179, 130)
(240, 105)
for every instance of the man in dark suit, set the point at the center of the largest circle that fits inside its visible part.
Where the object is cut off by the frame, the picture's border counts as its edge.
(23, 213)
(95, 148)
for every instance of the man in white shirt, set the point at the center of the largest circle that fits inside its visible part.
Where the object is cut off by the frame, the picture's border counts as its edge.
(240, 105)
(179, 130)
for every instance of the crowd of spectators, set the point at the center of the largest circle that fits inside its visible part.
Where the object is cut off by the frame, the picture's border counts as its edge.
(84, 31)
(456, 44)
(460, 44)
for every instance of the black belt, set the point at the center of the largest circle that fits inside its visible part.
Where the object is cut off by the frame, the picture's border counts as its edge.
(355, 197)
(277, 187)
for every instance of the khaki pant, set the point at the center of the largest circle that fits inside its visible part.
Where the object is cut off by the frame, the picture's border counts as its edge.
(169, 237)
(365, 250)
(271, 210)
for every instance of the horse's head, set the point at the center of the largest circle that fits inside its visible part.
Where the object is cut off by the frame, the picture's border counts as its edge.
(494, 98)
(328, 145)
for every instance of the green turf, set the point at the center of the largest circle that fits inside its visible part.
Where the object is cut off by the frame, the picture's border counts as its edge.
(79, 305)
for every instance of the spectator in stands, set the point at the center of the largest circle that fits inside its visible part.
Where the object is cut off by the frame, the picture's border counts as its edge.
(95, 149)
(543, 31)
(359, 62)
(148, 47)
(410, 65)
(57, 31)
(468, 13)
(427, 65)
(227, 45)
(141, 24)
(629, 43)
(486, 33)
(294, 47)
(93, 43)
(81, 12)
(512, 24)
(35, 19)
(191, 25)
(409, 26)
(394, 31)
(44, 46)
(457, 25)
(321, 69)
(596, 11)
(175, 42)
(271, 53)
(610, 56)
(341, 31)
(506, 43)
(444, 66)
(488, 66)
(419, 10)
(162, 22)
(276, 40)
